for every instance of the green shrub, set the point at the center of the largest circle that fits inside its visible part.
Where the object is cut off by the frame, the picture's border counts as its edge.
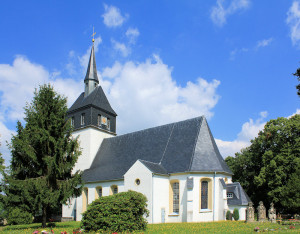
(228, 215)
(118, 213)
(236, 214)
(19, 216)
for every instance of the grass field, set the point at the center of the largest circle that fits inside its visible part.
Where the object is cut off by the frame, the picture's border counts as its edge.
(209, 227)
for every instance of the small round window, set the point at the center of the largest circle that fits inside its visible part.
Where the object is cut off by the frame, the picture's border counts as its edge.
(137, 181)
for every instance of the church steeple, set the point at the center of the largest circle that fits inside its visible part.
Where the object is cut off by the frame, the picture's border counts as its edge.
(91, 80)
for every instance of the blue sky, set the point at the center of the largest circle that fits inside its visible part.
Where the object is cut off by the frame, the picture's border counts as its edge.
(158, 61)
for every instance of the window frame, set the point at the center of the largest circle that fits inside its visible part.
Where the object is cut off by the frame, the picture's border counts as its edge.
(73, 121)
(97, 192)
(82, 120)
(85, 199)
(112, 189)
(209, 206)
(99, 120)
(174, 208)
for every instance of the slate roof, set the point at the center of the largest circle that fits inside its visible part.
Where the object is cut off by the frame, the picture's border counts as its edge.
(96, 99)
(91, 73)
(155, 167)
(239, 195)
(185, 146)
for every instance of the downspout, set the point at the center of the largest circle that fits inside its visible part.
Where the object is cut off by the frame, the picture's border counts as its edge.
(152, 200)
(214, 196)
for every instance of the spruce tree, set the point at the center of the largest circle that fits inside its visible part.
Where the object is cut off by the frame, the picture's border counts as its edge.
(43, 156)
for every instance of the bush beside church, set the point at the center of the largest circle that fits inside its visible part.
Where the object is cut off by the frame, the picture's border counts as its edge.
(118, 213)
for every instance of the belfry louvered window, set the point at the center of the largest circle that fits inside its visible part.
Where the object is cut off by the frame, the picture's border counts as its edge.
(204, 195)
(99, 120)
(83, 119)
(175, 187)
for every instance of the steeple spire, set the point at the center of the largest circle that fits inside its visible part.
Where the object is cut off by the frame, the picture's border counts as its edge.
(91, 80)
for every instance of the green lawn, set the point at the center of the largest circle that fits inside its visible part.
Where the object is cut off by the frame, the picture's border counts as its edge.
(209, 227)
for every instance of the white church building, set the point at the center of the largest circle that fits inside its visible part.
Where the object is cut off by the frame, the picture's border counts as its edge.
(177, 166)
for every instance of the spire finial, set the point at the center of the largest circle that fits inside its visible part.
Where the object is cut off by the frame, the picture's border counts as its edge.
(94, 33)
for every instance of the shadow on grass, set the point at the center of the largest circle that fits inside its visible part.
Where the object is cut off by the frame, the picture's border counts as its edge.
(71, 224)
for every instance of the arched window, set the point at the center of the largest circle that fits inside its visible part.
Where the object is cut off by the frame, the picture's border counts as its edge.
(204, 195)
(174, 197)
(113, 189)
(205, 198)
(98, 192)
(85, 199)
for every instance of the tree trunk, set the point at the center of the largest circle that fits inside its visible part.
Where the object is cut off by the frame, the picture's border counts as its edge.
(44, 217)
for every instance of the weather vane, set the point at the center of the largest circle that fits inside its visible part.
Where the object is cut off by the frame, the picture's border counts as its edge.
(94, 33)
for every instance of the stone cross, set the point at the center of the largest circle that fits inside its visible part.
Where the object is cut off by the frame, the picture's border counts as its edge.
(272, 213)
(250, 213)
(261, 212)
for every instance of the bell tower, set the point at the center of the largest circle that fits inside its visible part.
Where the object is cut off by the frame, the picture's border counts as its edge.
(92, 116)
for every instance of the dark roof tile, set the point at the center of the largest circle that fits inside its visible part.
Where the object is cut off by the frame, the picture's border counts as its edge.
(171, 148)
(97, 99)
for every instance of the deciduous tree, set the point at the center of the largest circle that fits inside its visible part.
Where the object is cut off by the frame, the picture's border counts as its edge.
(269, 169)
(297, 74)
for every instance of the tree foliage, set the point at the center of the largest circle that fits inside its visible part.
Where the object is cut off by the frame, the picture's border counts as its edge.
(269, 169)
(297, 74)
(122, 212)
(43, 156)
(17, 216)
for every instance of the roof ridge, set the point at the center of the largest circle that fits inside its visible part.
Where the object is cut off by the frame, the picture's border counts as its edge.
(141, 130)
(167, 144)
(142, 160)
(199, 128)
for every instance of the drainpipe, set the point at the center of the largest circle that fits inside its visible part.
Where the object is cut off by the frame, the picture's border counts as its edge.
(214, 196)
(152, 199)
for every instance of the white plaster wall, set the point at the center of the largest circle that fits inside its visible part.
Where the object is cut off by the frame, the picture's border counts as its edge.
(222, 201)
(69, 209)
(141, 172)
(242, 211)
(91, 194)
(160, 197)
(90, 140)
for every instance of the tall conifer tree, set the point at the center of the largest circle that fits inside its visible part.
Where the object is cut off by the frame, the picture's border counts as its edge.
(43, 156)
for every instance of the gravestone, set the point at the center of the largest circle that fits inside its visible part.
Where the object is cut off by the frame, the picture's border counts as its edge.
(272, 213)
(261, 212)
(250, 213)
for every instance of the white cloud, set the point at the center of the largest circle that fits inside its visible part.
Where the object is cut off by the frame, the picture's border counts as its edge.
(5, 137)
(259, 44)
(18, 82)
(296, 113)
(264, 43)
(293, 21)
(112, 16)
(249, 131)
(145, 95)
(121, 47)
(222, 10)
(132, 34)
(235, 52)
